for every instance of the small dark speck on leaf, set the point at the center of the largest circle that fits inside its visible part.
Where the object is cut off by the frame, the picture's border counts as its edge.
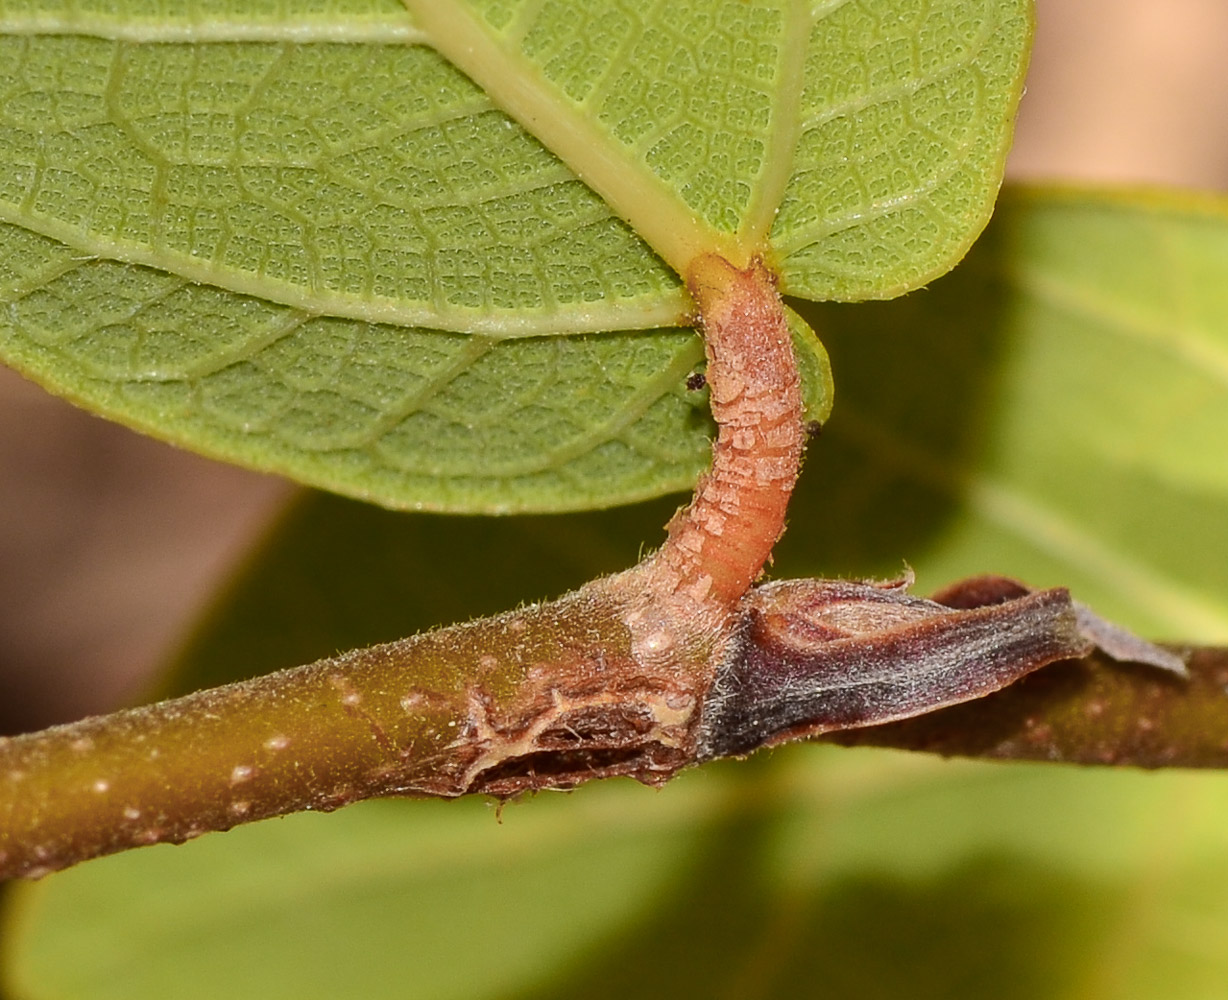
(696, 381)
(813, 428)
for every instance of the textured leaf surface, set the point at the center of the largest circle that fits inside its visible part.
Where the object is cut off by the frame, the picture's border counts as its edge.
(905, 118)
(208, 210)
(407, 416)
(861, 143)
(363, 180)
(194, 20)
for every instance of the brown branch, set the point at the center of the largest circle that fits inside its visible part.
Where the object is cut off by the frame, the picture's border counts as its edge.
(814, 656)
(545, 696)
(609, 680)
(1092, 710)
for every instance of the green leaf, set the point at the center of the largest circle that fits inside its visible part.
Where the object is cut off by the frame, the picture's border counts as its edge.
(262, 232)
(401, 415)
(861, 143)
(362, 180)
(905, 119)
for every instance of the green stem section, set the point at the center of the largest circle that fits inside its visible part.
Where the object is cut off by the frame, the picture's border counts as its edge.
(545, 696)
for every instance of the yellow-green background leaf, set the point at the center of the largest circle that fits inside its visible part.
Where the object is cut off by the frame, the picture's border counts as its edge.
(1057, 409)
(820, 869)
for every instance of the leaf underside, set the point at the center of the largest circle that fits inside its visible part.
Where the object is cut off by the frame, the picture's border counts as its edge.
(298, 239)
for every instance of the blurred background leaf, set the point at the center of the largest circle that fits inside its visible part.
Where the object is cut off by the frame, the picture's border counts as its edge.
(1056, 409)
(812, 872)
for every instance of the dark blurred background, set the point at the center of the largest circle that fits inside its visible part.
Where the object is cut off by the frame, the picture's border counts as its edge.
(110, 542)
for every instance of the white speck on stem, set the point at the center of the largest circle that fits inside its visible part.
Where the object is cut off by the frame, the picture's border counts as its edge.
(349, 696)
(277, 743)
(131, 812)
(101, 786)
(240, 774)
(658, 641)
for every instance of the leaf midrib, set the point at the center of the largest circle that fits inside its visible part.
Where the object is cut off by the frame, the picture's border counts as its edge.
(395, 28)
(600, 316)
(650, 206)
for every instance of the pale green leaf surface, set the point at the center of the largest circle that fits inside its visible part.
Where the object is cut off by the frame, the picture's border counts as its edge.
(403, 416)
(814, 367)
(679, 114)
(905, 119)
(860, 144)
(370, 181)
(307, 184)
(197, 20)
